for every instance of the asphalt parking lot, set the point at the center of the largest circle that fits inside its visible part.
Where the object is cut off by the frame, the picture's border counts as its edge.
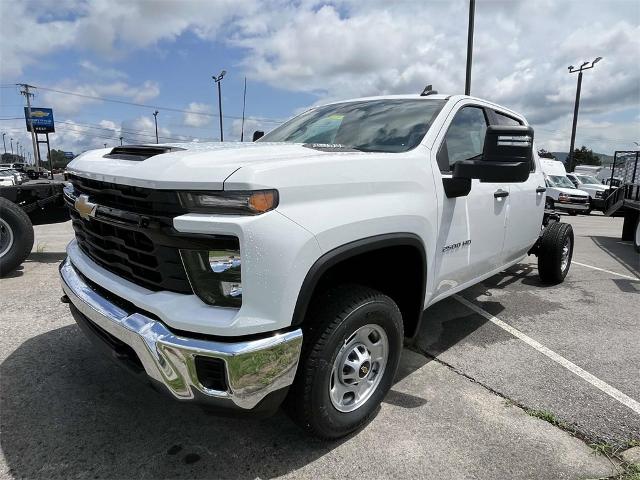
(466, 403)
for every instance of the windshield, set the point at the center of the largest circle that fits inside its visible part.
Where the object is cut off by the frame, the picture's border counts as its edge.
(560, 181)
(588, 180)
(395, 125)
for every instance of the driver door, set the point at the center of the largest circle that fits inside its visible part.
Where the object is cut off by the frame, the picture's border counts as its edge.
(471, 228)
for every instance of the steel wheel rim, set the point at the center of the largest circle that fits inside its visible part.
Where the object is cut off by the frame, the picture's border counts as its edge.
(6, 238)
(358, 368)
(566, 252)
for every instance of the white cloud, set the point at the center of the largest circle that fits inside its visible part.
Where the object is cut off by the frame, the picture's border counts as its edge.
(250, 126)
(199, 115)
(103, 72)
(68, 104)
(352, 48)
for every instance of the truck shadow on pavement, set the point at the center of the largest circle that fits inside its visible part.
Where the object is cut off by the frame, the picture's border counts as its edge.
(66, 411)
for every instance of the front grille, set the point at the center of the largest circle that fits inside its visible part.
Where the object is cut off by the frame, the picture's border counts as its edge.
(131, 254)
(128, 198)
(577, 199)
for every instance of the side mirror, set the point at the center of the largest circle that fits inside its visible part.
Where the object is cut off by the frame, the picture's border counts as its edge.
(506, 156)
(258, 134)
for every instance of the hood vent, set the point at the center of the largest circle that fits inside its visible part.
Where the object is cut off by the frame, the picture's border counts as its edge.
(137, 153)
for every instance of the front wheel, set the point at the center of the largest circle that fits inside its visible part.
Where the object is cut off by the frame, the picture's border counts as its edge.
(352, 344)
(555, 252)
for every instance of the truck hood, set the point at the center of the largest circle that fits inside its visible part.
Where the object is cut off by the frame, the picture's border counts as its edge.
(571, 191)
(196, 166)
(594, 186)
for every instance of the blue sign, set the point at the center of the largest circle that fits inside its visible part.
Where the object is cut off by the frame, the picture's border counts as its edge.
(68, 155)
(41, 119)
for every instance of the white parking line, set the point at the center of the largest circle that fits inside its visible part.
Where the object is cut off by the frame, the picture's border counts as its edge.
(572, 367)
(606, 271)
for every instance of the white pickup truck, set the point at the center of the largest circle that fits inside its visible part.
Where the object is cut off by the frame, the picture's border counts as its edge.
(242, 275)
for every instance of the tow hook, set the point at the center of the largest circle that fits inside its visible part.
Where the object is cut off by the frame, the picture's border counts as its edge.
(64, 299)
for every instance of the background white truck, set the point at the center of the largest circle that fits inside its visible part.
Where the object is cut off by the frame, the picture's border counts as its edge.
(292, 269)
(590, 184)
(561, 193)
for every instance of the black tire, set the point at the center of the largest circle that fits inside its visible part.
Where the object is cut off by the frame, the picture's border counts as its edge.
(17, 228)
(331, 320)
(550, 252)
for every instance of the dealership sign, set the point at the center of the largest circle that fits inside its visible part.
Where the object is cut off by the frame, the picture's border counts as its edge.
(41, 119)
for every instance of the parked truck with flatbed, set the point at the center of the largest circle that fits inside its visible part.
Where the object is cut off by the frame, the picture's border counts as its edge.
(292, 270)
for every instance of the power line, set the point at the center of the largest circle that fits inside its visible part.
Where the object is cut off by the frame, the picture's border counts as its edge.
(144, 105)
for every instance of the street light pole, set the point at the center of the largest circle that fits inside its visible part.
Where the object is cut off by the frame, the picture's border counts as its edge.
(155, 118)
(121, 141)
(472, 10)
(3, 142)
(576, 106)
(11, 142)
(218, 80)
(244, 104)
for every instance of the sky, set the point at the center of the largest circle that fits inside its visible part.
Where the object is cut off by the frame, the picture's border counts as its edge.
(161, 55)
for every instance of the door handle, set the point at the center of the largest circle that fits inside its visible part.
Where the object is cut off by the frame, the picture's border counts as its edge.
(500, 193)
(541, 190)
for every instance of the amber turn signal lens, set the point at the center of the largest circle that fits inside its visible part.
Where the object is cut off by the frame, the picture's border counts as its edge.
(263, 201)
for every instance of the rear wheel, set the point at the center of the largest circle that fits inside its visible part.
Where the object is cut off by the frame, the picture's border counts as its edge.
(16, 236)
(555, 252)
(352, 344)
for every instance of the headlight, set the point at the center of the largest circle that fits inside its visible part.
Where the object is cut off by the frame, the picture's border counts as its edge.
(229, 203)
(215, 275)
(598, 193)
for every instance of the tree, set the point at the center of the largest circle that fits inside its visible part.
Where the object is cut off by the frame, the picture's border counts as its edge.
(542, 153)
(585, 156)
(58, 159)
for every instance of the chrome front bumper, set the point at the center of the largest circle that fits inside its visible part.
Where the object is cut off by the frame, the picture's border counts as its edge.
(253, 368)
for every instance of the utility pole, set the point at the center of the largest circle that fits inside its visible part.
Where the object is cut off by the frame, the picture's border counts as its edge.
(28, 95)
(571, 159)
(467, 83)
(155, 118)
(218, 80)
(3, 142)
(244, 103)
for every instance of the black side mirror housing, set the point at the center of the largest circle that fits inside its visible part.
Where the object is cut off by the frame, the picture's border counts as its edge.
(257, 135)
(506, 156)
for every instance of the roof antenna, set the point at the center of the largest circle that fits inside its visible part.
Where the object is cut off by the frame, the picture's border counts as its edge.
(428, 90)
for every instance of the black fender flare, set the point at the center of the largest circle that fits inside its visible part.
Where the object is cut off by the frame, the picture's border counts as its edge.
(349, 250)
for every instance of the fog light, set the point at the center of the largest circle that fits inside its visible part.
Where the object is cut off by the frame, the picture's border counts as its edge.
(215, 275)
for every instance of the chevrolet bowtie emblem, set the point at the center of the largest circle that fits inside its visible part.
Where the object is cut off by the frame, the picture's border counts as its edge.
(84, 207)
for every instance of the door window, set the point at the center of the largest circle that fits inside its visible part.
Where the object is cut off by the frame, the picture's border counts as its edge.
(465, 138)
(506, 120)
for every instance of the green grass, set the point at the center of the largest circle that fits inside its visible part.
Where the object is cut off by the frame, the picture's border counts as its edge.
(627, 471)
(549, 417)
